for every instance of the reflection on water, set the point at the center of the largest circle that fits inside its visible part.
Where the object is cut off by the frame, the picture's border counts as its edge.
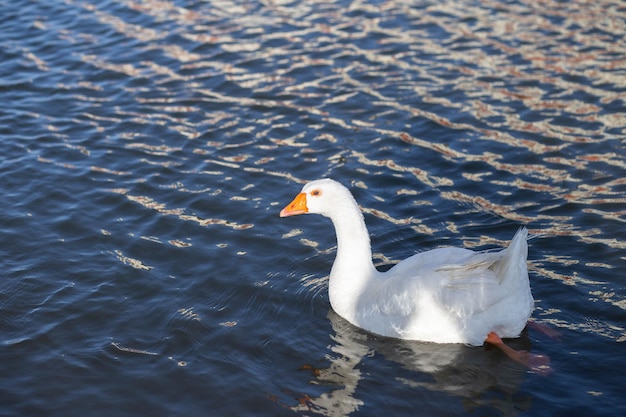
(478, 377)
(147, 148)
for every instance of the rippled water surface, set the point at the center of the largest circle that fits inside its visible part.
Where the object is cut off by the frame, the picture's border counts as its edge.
(148, 146)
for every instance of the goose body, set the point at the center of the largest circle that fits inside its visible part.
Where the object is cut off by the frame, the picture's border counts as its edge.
(445, 295)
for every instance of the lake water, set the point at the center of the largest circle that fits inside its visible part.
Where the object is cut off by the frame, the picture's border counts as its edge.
(147, 148)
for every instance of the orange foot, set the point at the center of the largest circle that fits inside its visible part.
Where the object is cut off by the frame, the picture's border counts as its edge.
(537, 363)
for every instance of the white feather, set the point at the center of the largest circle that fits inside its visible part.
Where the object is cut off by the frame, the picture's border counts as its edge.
(446, 295)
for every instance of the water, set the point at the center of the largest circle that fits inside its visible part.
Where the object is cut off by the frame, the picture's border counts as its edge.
(147, 148)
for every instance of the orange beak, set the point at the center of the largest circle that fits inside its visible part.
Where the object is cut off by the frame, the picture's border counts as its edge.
(297, 206)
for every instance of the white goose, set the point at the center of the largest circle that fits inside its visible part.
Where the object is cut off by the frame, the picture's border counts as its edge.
(446, 295)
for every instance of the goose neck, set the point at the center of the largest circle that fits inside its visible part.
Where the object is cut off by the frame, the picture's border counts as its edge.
(354, 253)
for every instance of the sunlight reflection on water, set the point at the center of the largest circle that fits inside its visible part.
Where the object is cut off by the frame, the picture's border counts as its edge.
(148, 147)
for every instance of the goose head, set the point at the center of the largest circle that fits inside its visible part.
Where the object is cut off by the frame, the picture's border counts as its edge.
(324, 196)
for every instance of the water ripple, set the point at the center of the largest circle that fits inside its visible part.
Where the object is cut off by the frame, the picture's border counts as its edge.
(147, 148)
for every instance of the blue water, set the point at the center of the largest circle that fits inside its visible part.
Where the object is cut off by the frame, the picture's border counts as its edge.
(147, 148)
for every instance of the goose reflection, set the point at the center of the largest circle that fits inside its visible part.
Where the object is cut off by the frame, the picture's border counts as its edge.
(481, 377)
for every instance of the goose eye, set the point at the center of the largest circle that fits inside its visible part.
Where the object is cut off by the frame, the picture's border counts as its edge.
(316, 193)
